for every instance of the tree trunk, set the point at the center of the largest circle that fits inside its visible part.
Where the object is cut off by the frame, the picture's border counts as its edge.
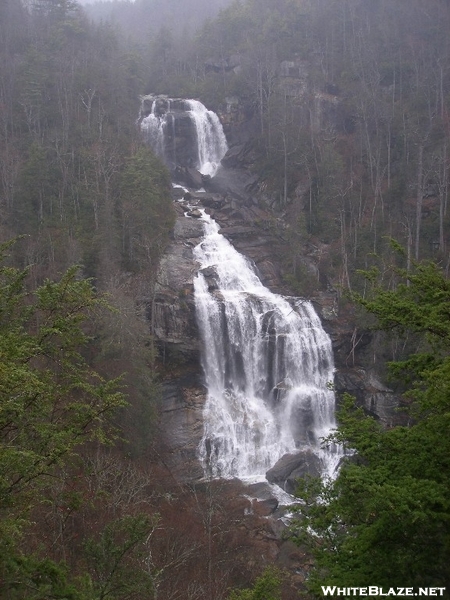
(419, 200)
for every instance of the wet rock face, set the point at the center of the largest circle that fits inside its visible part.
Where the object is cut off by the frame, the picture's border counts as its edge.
(179, 146)
(181, 424)
(189, 176)
(232, 200)
(378, 400)
(175, 327)
(353, 357)
(173, 309)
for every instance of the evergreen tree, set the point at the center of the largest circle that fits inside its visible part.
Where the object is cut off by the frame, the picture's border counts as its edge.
(51, 401)
(385, 520)
(266, 587)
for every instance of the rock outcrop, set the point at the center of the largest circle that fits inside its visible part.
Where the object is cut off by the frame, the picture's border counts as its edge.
(175, 327)
(173, 311)
(291, 467)
(181, 426)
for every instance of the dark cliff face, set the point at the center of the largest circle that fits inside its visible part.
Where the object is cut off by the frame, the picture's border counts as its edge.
(173, 305)
(175, 328)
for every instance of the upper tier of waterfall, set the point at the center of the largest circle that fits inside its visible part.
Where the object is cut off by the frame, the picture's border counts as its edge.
(183, 133)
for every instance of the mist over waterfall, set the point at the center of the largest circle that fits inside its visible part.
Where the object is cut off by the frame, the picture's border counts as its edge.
(267, 362)
(183, 133)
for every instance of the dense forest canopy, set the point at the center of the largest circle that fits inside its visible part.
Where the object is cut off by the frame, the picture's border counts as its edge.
(77, 187)
(345, 108)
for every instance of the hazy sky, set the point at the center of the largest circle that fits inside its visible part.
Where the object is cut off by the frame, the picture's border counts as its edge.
(91, 1)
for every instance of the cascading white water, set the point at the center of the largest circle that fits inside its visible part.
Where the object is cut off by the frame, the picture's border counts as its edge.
(267, 359)
(209, 143)
(154, 126)
(267, 362)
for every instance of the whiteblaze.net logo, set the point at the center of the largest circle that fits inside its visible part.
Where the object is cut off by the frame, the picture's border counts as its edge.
(373, 590)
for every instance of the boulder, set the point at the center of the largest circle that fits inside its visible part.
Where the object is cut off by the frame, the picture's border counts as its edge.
(291, 467)
(195, 213)
(189, 177)
(210, 274)
(178, 193)
(264, 508)
(263, 501)
(238, 156)
(234, 182)
(204, 199)
(215, 201)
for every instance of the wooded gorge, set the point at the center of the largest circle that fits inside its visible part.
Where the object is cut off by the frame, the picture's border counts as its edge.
(337, 111)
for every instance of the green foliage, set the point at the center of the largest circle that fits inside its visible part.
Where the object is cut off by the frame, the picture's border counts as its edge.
(111, 559)
(51, 401)
(418, 307)
(38, 579)
(266, 587)
(421, 303)
(147, 211)
(385, 520)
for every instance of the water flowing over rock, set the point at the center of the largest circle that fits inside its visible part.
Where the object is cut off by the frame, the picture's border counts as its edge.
(267, 360)
(267, 363)
(184, 133)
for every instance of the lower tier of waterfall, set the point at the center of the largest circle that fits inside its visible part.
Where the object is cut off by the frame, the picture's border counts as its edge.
(268, 365)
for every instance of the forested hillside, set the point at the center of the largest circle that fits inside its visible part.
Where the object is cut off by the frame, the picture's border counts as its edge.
(350, 115)
(339, 109)
(348, 105)
(351, 101)
(77, 188)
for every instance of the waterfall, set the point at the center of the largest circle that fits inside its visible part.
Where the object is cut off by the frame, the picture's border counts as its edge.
(267, 362)
(154, 125)
(266, 358)
(211, 141)
(183, 133)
